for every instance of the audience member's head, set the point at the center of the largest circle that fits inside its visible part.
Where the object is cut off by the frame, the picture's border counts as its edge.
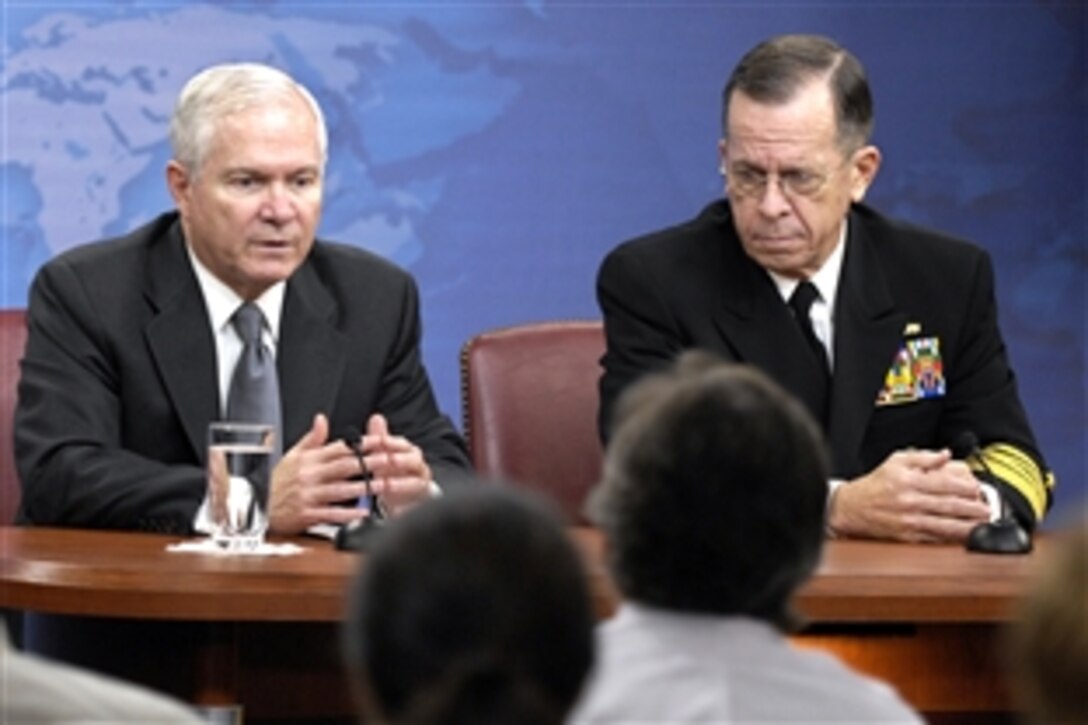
(471, 608)
(1048, 643)
(713, 492)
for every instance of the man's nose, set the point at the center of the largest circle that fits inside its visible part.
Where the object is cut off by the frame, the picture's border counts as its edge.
(772, 201)
(277, 206)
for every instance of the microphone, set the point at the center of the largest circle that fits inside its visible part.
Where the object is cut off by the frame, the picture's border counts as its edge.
(356, 535)
(965, 447)
(1005, 535)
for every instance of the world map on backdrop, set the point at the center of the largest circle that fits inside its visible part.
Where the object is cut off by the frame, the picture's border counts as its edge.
(427, 115)
(94, 167)
(498, 150)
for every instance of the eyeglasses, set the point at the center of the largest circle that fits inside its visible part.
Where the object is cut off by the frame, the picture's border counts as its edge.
(744, 181)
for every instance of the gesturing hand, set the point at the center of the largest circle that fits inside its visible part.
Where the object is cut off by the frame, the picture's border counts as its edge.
(401, 474)
(312, 480)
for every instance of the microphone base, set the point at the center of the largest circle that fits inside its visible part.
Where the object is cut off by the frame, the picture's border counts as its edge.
(1004, 536)
(358, 536)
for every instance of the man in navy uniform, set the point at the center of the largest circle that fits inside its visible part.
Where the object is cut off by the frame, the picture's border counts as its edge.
(887, 332)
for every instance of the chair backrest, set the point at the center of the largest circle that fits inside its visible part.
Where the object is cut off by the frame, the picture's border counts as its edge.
(12, 344)
(529, 400)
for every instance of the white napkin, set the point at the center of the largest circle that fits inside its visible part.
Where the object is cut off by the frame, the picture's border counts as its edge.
(208, 546)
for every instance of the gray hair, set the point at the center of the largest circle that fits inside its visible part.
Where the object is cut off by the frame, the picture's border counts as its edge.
(775, 70)
(222, 90)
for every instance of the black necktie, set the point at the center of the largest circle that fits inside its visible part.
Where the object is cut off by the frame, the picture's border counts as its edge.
(254, 395)
(801, 303)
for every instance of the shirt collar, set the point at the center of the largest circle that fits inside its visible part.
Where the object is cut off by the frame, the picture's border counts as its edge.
(826, 279)
(222, 301)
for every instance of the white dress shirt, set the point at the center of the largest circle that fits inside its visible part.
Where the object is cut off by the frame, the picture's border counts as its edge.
(38, 690)
(826, 282)
(656, 666)
(222, 302)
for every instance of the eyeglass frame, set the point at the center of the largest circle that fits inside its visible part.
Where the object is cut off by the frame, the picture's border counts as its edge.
(759, 188)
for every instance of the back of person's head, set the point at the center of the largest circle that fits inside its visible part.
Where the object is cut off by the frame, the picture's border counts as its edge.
(223, 90)
(773, 72)
(471, 608)
(1048, 641)
(713, 493)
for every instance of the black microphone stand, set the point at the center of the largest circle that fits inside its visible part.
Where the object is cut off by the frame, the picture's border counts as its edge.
(357, 535)
(1005, 535)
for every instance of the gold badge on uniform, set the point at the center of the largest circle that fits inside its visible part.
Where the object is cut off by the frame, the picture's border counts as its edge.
(916, 373)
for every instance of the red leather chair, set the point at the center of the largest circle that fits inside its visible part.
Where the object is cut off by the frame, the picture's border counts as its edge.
(529, 400)
(12, 343)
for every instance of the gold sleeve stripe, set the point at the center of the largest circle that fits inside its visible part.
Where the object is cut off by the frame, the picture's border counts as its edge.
(1019, 470)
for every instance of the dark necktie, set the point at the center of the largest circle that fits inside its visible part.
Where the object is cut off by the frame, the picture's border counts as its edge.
(254, 395)
(801, 303)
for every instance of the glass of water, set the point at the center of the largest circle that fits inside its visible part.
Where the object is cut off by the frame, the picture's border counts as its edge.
(239, 476)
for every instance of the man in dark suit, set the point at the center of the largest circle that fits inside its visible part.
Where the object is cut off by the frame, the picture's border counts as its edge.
(131, 348)
(899, 355)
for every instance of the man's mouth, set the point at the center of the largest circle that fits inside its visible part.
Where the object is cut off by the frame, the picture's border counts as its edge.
(776, 239)
(272, 243)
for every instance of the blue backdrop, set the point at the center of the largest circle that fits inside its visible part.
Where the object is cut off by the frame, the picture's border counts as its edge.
(499, 150)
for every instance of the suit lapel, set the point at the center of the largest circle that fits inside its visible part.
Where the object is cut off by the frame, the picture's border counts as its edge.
(310, 357)
(180, 339)
(312, 353)
(758, 327)
(867, 330)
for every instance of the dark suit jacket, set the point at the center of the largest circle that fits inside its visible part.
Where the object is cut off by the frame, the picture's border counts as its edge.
(693, 286)
(119, 379)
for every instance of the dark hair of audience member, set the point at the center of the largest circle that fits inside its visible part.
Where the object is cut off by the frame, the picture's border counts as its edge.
(471, 608)
(713, 492)
(1047, 644)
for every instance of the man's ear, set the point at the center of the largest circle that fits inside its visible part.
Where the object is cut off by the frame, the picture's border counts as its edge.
(179, 182)
(864, 165)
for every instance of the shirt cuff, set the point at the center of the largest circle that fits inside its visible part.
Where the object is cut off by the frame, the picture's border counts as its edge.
(202, 523)
(993, 499)
(832, 487)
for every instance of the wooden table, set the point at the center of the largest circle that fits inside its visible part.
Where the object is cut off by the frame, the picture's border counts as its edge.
(928, 619)
(262, 631)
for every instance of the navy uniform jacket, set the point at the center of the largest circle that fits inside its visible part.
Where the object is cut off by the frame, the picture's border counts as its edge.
(918, 357)
(119, 379)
